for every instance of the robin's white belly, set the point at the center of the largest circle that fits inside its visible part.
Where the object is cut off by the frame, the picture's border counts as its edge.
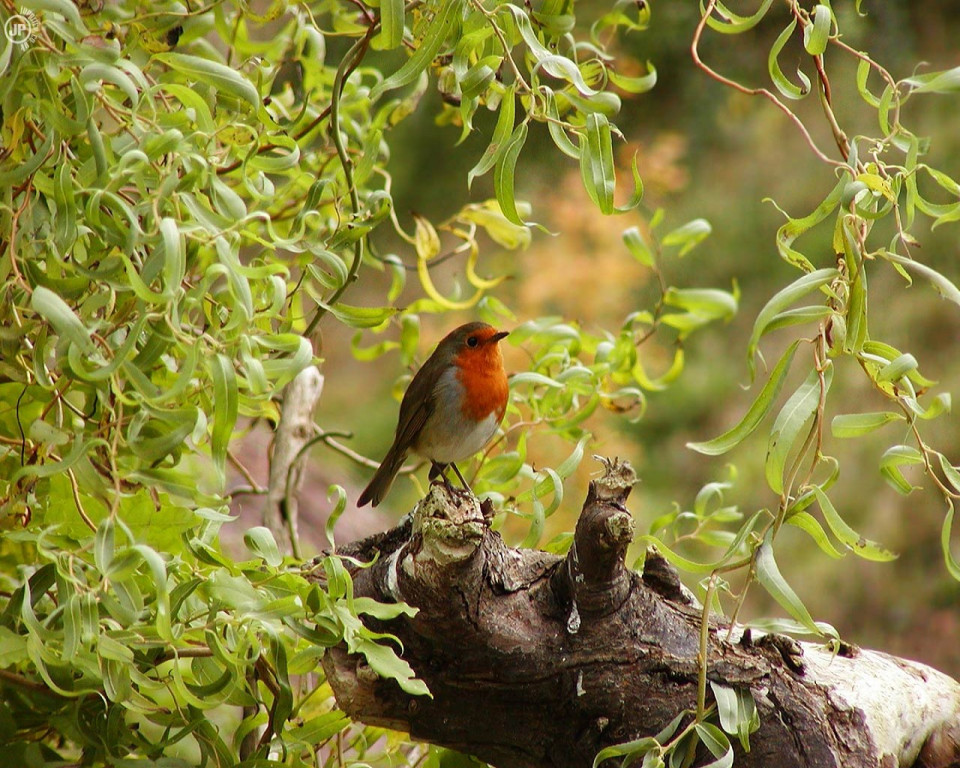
(448, 436)
(447, 441)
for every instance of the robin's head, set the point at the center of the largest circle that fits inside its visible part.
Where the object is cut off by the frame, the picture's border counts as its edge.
(472, 342)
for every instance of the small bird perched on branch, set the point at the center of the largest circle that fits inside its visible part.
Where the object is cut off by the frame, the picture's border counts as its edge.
(451, 409)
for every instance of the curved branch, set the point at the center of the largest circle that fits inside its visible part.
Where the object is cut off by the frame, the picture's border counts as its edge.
(495, 643)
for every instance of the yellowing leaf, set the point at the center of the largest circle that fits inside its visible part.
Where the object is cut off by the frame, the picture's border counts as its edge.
(426, 241)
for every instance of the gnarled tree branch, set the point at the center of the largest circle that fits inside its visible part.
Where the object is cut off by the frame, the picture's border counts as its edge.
(538, 661)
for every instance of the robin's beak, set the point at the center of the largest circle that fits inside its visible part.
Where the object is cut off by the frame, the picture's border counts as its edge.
(499, 335)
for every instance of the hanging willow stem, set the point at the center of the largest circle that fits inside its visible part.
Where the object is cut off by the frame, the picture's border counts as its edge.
(347, 65)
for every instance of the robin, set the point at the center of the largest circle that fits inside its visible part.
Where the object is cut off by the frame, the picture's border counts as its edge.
(451, 409)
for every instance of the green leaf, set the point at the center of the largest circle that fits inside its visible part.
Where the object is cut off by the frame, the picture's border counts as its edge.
(731, 23)
(895, 457)
(569, 465)
(440, 26)
(108, 648)
(554, 64)
(817, 34)
(596, 162)
(479, 77)
(637, 245)
(500, 139)
(868, 550)
(632, 749)
(857, 424)
(92, 75)
(158, 571)
(489, 216)
(640, 84)
(534, 378)
(796, 412)
(220, 76)
(383, 611)
(768, 574)
(391, 23)
(898, 368)
(557, 131)
(103, 544)
(783, 299)
(681, 562)
(940, 284)
(688, 236)
(707, 303)
(566, 69)
(863, 74)
(755, 414)
(225, 407)
(65, 8)
(260, 541)
(947, 81)
(25, 168)
(13, 648)
(385, 662)
(737, 711)
(856, 318)
(50, 468)
(789, 626)
(334, 515)
(504, 172)
(809, 525)
(161, 437)
(55, 311)
(941, 404)
(318, 729)
(360, 317)
(726, 699)
(637, 195)
(780, 80)
(950, 472)
(953, 566)
(790, 231)
(174, 256)
(717, 742)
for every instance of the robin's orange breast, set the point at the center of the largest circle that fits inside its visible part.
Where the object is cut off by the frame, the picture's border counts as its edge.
(484, 381)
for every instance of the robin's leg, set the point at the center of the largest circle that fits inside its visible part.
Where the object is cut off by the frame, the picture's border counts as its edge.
(463, 480)
(439, 470)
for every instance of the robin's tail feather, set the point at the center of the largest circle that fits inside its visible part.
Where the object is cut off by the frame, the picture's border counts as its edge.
(383, 478)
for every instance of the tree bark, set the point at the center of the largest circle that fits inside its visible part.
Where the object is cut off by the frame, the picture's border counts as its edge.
(540, 661)
(295, 430)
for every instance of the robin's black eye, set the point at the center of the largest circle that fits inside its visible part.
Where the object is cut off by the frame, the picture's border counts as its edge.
(472, 341)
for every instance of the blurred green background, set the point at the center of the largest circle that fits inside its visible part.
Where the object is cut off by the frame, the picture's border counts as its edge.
(704, 151)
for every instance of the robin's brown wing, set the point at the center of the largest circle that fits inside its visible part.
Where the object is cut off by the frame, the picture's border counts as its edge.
(415, 409)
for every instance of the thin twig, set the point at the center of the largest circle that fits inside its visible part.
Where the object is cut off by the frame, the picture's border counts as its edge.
(26, 683)
(695, 52)
(76, 500)
(238, 465)
(347, 64)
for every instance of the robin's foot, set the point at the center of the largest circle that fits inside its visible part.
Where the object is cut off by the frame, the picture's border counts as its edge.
(439, 471)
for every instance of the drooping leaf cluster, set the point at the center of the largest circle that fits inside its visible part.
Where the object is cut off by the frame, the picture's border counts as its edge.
(187, 195)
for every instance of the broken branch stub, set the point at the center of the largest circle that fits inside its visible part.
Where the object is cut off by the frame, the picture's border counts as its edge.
(594, 578)
(539, 661)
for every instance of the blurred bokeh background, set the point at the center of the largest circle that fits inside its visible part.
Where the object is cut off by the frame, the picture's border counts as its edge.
(704, 151)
